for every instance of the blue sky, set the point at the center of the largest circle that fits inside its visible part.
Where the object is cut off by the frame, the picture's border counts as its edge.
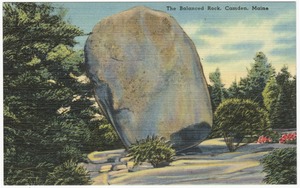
(225, 39)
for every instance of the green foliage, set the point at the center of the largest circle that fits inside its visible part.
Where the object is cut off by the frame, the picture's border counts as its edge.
(217, 94)
(153, 149)
(34, 22)
(280, 166)
(283, 114)
(270, 94)
(234, 90)
(217, 90)
(105, 137)
(69, 173)
(47, 111)
(110, 138)
(236, 118)
(252, 86)
(280, 99)
(34, 175)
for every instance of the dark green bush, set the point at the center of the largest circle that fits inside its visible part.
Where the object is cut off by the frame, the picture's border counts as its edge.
(237, 118)
(280, 166)
(34, 175)
(107, 138)
(155, 150)
(69, 173)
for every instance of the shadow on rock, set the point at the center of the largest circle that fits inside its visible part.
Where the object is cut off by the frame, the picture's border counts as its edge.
(192, 135)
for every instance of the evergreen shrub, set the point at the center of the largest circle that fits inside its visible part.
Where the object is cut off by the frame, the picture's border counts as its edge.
(155, 150)
(236, 119)
(69, 173)
(280, 166)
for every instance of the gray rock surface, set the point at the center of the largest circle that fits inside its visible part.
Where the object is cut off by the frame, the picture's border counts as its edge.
(214, 165)
(98, 157)
(148, 78)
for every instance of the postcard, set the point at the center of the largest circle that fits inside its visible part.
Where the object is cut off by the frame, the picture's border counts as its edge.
(149, 93)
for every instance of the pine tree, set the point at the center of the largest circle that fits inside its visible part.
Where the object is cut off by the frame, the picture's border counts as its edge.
(234, 90)
(283, 114)
(217, 94)
(47, 111)
(293, 90)
(270, 94)
(253, 85)
(217, 90)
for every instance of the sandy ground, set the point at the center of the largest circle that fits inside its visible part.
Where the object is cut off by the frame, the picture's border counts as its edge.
(213, 165)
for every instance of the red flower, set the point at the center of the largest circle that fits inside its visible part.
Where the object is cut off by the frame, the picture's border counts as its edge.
(288, 138)
(263, 139)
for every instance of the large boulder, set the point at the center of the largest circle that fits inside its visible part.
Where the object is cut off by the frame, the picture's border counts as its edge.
(148, 78)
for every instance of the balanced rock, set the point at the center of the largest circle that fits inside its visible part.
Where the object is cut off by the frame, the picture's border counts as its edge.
(148, 78)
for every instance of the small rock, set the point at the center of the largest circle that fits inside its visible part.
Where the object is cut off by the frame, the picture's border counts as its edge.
(119, 167)
(91, 167)
(106, 168)
(130, 164)
(106, 156)
(98, 160)
(112, 158)
(125, 159)
(105, 153)
(114, 174)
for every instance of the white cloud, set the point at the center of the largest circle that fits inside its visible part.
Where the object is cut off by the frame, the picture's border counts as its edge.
(191, 28)
(259, 34)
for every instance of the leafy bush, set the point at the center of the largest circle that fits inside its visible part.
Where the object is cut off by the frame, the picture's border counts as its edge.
(155, 150)
(236, 118)
(280, 166)
(69, 173)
